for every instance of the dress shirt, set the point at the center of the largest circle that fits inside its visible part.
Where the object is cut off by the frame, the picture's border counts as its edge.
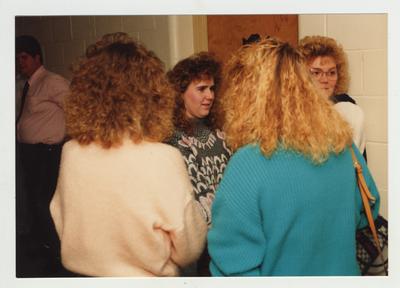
(42, 119)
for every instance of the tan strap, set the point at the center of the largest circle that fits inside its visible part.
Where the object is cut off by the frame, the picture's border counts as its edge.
(366, 196)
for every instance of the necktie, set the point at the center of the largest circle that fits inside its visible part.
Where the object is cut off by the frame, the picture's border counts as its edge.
(24, 93)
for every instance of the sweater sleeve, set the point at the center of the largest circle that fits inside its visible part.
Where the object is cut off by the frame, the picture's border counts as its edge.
(372, 188)
(187, 238)
(188, 242)
(236, 241)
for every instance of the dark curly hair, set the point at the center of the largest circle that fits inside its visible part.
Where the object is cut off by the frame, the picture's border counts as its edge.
(119, 89)
(199, 66)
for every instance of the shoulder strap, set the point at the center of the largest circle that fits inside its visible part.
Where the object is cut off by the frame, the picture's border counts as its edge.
(366, 197)
(342, 98)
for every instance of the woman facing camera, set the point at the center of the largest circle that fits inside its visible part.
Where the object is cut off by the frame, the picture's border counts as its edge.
(328, 65)
(288, 204)
(196, 80)
(124, 204)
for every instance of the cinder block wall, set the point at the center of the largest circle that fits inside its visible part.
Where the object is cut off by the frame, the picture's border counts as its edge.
(65, 38)
(364, 38)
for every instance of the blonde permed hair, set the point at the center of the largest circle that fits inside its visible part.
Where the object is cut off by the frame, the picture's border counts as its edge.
(315, 46)
(119, 89)
(268, 98)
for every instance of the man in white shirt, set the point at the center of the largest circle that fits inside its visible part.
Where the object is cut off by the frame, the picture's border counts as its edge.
(40, 132)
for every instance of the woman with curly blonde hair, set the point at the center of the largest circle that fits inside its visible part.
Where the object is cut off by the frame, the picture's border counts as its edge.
(109, 207)
(288, 203)
(196, 80)
(329, 68)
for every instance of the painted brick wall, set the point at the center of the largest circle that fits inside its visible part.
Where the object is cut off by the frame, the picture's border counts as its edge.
(364, 38)
(65, 38)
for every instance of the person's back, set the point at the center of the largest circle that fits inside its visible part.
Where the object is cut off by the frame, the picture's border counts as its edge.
(288, 203)
(124, 204)
(121, 207)
(297, 214)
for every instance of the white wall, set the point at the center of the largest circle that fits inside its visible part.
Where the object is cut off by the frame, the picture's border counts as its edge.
(364, 38)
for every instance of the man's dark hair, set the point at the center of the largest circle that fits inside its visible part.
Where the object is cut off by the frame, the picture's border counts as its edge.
(28, 44)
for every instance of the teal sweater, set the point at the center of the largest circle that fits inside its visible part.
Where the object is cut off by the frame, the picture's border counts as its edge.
(285, 216)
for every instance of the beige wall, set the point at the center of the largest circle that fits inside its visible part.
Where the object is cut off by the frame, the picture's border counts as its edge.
(181, 38)
(65, 38)
(364, 37)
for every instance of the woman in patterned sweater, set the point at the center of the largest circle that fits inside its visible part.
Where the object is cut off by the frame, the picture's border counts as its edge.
(196, 135)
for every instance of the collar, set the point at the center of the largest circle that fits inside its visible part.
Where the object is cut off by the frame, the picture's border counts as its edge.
(36, 75)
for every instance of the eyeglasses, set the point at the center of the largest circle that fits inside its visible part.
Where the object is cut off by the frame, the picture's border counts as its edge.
(318, 73)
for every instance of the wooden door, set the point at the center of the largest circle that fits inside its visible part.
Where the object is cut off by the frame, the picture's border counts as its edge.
(226, 32)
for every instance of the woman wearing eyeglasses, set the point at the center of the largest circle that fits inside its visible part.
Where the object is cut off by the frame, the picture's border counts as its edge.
(288, 203)
(329, 67)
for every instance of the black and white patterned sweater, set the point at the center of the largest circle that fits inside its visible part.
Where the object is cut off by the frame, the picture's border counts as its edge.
(206, 156)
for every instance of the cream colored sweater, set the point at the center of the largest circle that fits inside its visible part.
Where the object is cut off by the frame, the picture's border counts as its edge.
(126, 211)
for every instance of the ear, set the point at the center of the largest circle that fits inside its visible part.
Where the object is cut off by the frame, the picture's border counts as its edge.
(37, 59)
(183, 94)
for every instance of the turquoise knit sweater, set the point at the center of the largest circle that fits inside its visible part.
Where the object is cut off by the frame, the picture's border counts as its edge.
(285, 216)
